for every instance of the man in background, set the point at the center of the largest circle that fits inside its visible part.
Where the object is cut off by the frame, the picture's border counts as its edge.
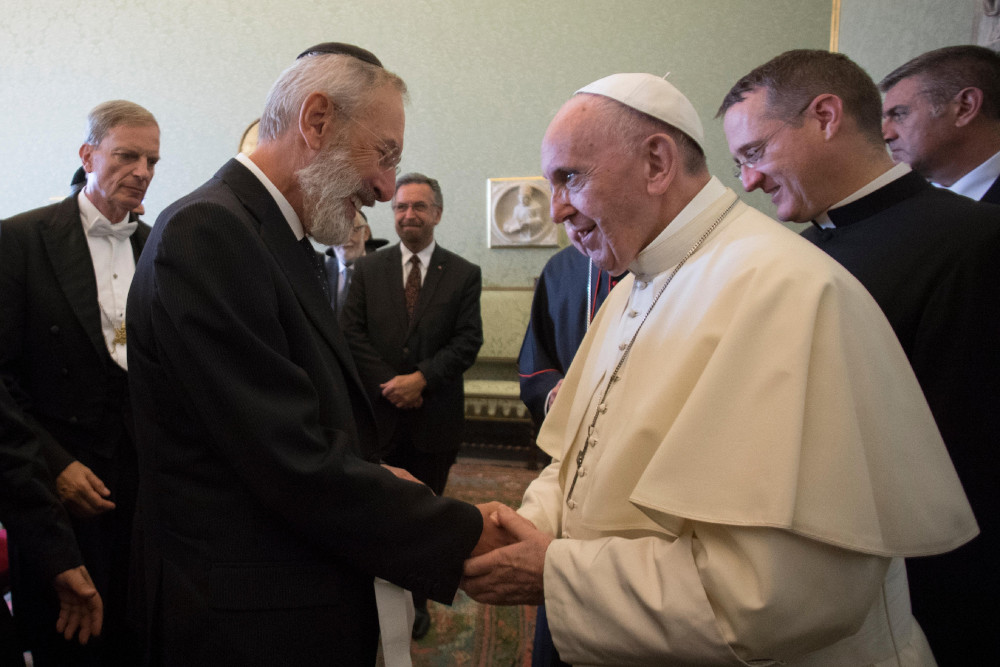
(65, 274)
(941, 115)
(805, 128)
(413, 321)
(340, 260)
(568, 293)
(30, 507)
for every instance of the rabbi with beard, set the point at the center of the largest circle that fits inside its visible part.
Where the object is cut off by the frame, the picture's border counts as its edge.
(265, 521)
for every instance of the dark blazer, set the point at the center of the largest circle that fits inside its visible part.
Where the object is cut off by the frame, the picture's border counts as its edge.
(931, 259)
(441, 341)
(560, 314)
(55, 364)
(992, 195)
(265, 524)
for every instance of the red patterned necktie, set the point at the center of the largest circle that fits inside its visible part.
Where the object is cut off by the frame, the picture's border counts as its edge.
(412, 289)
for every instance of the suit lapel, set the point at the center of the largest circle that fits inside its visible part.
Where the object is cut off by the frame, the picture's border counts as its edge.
(392, 266)
(431, 281)
(992, 195)
(278, 236)
(66, 246)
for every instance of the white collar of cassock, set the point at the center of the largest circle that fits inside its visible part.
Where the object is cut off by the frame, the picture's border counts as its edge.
(667, 249)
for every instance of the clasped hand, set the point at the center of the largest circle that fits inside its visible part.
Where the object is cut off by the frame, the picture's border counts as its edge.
(405, 391)
(507, 565)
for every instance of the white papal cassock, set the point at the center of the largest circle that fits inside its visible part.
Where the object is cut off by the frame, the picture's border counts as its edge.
(756, 473)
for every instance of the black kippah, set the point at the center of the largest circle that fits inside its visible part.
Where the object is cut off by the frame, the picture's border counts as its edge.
(340, 48)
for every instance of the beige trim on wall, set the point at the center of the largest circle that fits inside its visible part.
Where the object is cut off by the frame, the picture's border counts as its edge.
(835, 27)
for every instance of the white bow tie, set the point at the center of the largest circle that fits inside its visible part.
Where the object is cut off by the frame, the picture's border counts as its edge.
(121, 231)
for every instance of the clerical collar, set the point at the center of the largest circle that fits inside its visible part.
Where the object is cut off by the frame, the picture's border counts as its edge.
(670, 244)
(976, 183)
(825, 221)
(89, 213)
(291, 217)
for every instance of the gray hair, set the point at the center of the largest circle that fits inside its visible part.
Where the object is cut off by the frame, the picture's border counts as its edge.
(415, 178)
(944, 72)
(111, 114)
(345, 80)
(631, 127)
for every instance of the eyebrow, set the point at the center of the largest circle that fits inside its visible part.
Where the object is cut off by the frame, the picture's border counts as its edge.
(896, 108)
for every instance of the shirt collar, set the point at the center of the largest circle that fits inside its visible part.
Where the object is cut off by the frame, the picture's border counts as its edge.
(902, 169)
(286, 209)
(978, 181)
(89, 213)
(424, 255)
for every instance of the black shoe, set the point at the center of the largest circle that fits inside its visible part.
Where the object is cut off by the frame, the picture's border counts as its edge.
(421, 623)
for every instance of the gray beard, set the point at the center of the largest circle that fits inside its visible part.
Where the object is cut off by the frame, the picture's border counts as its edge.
(326, 184)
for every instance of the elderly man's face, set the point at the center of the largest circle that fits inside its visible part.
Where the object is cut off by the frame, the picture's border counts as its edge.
(914, 132)
(353, 170)
(777, 157)
(120, 168)
(597, 186)
(354, 247)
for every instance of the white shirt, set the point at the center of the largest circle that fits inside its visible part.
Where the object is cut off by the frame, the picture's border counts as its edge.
(425, 260)
(286, 209)
(114, 266)
(975, 184)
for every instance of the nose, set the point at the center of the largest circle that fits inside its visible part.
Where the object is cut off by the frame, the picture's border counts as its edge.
(560, 208)
(889, 131)
(384, 184)
(143, 169)
(750, 178)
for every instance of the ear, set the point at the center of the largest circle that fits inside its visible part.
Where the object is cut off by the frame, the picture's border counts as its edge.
(970, 102)
(662, 158)
(87, 157)
(368, 232)
(828, 110)
(316, 120)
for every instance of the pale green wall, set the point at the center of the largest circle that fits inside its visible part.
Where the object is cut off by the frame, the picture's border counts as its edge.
(486, 76)
(881, 35)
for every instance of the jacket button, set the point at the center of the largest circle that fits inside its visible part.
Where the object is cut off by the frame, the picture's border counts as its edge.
(64, 372)
(54, 329)
(73, 420)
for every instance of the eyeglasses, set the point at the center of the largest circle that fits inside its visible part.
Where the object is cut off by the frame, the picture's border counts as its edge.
(418, 207)
(388, 157)
(752, 156)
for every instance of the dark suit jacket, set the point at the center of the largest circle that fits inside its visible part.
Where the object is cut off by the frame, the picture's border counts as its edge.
(559, 317)
(441, 341)
(992, 195)
(265, 525)
(931, 259)
(55, 363)
(53, 357)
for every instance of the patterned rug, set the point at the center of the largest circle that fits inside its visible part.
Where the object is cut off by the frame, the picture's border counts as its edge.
(468, 633)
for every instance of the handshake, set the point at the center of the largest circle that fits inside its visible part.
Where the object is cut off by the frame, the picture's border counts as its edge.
(507, 563)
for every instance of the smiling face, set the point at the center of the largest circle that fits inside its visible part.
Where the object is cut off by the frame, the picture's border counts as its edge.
(416, 215)
(120, 168)
(597, 186)
(355, 168)
(784, 158)
(915, 132)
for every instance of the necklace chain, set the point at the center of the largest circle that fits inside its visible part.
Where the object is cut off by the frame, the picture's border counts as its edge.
(628, 348)
(120, 337)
